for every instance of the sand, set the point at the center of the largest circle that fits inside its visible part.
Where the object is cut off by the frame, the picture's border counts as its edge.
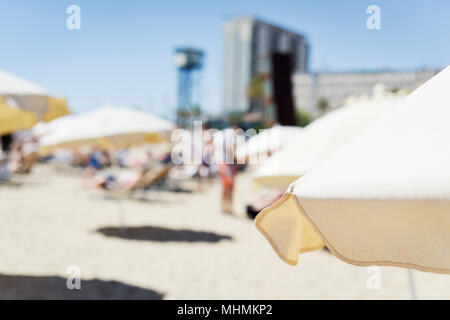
(174, 246)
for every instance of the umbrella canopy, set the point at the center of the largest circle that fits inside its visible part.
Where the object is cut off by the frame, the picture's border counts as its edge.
(383, 198)
(21, 93)
(57, 125)
(318, 140)
(108, 127)
(57, 107)
(267, 141)
(14, 119)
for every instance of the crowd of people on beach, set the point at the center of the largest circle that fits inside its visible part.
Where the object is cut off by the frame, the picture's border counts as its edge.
(18, 154)
(126, 170)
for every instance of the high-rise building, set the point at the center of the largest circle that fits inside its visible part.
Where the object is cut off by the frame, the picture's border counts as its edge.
(249, 45)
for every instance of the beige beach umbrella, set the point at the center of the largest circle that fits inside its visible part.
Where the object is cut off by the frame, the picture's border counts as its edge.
(23, 94)
(57, 115)
(14, 119)
(318, 140)
(57, 107)
(106, 127)
(383, 198)
(266, 142)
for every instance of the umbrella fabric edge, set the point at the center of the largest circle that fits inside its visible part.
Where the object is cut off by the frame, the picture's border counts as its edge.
(108, 142)
(288, 242)
(292, 225)
(362, 263)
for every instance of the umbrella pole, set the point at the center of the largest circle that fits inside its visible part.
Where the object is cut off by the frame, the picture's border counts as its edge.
(121, 213)
(412, 286)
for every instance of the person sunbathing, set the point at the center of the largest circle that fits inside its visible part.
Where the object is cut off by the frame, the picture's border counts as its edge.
(263, 201)
(30, 154)
(125, 180)
(129, 180)
(16, 159)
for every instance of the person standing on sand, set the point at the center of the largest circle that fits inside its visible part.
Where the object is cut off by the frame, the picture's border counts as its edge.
(227, 172)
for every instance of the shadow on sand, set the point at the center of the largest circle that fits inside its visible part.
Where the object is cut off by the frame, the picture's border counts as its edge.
(150, 233)
(54, 287)
(11, 184)
(137, 197)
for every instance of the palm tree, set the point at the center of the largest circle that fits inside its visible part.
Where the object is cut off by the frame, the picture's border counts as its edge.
(322, 105)
(255, 91)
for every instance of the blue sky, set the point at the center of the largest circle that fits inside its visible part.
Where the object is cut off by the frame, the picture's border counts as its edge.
(123, 54)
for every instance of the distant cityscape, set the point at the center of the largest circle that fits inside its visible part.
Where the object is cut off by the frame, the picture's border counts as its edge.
(249, 44)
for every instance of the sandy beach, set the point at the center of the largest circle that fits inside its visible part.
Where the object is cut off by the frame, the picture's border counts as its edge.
(174, 246)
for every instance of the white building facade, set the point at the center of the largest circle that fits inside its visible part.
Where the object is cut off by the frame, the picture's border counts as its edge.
(335, 88)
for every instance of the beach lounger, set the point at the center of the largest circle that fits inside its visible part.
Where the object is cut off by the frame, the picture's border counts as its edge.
(151, 180)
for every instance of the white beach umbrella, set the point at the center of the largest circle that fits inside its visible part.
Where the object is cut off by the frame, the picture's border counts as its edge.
(39, 129)
(318, 140)
(226, 142)
(383, 198)
(18, 92)
(267, 141)
(45, 128)
(106, 127)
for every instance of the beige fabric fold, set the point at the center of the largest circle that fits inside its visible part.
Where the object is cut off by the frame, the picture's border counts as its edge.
(367, 232)
(287, 230)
